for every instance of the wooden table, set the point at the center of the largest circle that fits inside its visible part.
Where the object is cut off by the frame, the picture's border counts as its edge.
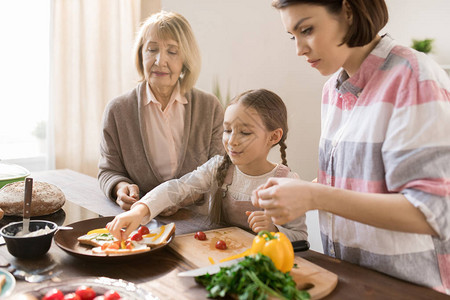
(158, 273)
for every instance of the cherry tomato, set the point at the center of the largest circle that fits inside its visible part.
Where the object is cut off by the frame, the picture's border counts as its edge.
(71, 296)
(54, 294)
(115, 246)
(85, 293)
(128, 245)
(136, 237)
(200, 235)
(111, 295)
(221, 245)
(143, 230)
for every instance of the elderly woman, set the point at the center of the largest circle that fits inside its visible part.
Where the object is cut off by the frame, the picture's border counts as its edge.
(163, 128)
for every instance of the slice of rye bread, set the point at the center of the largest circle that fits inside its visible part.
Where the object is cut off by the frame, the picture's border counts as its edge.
(94, 239)
(162, 238)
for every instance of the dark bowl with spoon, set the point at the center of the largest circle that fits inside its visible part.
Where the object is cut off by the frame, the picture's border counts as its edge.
(29, 246)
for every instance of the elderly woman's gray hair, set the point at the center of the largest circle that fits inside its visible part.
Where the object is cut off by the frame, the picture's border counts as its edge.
(171, 25)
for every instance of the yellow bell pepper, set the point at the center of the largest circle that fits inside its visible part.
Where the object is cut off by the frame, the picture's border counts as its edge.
(276, 246)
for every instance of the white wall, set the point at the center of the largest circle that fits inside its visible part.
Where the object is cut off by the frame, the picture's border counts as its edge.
(244, 44)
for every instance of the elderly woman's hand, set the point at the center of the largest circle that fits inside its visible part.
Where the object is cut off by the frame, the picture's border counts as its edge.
(284, 199)
(127, 194)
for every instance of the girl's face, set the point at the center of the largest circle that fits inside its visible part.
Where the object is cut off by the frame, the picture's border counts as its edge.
(318, 35)
(246, 139)
(162, 62)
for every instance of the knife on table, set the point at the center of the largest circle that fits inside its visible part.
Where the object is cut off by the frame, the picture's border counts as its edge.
(302, 245)
(27, 205)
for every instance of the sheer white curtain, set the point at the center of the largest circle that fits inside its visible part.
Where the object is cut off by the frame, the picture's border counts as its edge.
(91, 63)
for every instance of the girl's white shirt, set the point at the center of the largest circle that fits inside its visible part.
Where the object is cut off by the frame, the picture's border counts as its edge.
(184, 191)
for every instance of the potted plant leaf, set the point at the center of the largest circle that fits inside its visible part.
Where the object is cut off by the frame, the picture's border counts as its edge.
(424, 46)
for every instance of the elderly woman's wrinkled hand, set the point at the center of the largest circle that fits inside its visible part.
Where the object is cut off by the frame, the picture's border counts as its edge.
(284, 199)
(127, 195)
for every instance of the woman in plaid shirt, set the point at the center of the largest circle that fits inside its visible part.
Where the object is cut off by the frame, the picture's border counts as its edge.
(384, 156)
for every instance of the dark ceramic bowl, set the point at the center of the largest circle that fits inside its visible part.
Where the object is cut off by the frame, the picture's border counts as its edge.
(28, 247)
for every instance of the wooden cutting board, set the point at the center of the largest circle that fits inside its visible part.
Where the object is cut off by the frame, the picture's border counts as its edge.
(317, 280)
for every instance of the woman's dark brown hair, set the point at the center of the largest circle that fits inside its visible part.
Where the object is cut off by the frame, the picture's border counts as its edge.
(368, 17)
(273, 113)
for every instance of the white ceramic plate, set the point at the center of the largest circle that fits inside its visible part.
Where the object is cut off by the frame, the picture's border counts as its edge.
(9, 284)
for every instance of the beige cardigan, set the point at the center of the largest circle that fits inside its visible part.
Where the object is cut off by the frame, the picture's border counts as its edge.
(123, 148)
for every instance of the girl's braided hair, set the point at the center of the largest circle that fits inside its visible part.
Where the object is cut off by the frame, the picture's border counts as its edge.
(273, 113)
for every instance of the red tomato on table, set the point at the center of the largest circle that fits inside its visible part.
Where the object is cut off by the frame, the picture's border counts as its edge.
(200, 235)
(85, 293)
(72, 296)
(54, 294)
(221, 245)
(111, 295)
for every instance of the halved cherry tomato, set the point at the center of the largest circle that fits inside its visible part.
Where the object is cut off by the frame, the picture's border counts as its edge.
(143, 230)
(128, 245)
(115, 245)
(136, 237)
(72, 296)
(54, 294)
(200, 235)
(111, 295)
(221, 245)
(85, 292)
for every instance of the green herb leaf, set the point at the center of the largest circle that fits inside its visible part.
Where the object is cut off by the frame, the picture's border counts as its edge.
(253, 278)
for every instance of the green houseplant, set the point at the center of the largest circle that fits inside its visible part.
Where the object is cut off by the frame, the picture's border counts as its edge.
(424, 46)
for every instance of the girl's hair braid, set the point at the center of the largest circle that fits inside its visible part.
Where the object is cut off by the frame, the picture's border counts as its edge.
(283, 153)
(216, 216)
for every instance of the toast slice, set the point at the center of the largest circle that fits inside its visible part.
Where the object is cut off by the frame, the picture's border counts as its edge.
(96, 239)
(158, 236)
(137, 248)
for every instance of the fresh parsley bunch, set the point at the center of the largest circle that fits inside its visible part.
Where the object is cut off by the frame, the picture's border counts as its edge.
(253, 278)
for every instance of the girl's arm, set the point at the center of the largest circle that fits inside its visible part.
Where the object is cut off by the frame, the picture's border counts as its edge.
(285, 199)
(165, 195)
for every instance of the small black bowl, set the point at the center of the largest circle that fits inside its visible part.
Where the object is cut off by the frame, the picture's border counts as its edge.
(28, 247)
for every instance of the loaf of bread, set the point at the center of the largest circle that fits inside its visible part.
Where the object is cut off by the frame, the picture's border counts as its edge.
(46, 199)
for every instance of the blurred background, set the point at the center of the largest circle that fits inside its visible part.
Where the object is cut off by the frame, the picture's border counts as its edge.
(63, 60)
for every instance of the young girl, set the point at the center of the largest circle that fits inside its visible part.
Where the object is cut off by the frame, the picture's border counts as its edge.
(254, 122)
(384, 190)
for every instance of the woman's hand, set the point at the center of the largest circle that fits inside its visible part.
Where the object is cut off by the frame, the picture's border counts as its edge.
(123, 224)
(284, 199)
(127, 194)
(258, 221)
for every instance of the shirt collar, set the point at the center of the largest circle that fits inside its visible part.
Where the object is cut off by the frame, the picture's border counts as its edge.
(356, 83)
(176, 96)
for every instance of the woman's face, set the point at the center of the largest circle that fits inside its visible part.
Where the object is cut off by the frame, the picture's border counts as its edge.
(162, 61)
(318, 35)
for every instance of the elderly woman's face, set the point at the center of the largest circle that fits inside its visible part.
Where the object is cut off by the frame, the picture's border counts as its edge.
(162, 62)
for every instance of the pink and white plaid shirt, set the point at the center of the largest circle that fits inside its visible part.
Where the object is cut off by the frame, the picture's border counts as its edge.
(387, 130)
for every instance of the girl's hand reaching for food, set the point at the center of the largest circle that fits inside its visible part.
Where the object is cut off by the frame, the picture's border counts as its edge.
(123, 224)
(258, 221)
